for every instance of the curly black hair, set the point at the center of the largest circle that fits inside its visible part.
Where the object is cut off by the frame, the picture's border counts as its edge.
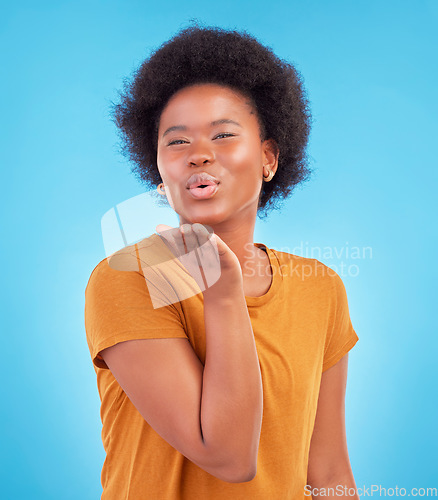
(229, 58)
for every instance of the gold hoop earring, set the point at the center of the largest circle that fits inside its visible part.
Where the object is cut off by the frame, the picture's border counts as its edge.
(160, 188)
(269, 177)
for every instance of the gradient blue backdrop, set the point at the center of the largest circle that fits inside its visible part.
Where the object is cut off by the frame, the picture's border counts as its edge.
(370, 69)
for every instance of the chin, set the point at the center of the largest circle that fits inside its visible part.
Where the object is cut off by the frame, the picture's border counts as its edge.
(210, 219)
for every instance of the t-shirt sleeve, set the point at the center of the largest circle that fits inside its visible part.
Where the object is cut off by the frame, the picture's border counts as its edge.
(118, 307)
(341, 336)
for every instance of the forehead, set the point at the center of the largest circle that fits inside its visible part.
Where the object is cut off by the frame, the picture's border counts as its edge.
(208, 100)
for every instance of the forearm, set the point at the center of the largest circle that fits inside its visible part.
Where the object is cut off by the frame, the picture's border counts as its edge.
(232, 391)
(343, 486)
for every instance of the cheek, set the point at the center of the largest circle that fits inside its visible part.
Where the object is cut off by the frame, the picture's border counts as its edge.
(242, 157)
(160, 158)
(249, 169)
(168, 170)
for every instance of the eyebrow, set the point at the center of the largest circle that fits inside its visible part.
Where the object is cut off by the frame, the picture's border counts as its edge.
(212, 124)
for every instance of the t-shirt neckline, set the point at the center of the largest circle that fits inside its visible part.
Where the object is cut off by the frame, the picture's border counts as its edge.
(276, 279)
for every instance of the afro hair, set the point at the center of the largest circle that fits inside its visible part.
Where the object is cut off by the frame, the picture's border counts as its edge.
(228, 58)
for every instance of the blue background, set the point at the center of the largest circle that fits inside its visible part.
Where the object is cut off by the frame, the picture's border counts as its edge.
(370, 69)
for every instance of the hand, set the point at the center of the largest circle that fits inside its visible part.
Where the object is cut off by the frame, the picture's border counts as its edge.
(214, 266)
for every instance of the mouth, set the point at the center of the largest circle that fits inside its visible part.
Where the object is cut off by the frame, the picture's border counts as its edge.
(203, 191)
(201, 180)
(202, 184)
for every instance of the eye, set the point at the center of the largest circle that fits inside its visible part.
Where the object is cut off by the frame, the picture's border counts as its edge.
(225, 134)
(174, 142)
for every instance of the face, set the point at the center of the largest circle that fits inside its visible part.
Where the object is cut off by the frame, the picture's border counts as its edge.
(232, 152)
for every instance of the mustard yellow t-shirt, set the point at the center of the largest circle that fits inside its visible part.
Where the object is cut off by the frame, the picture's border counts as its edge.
(301, 328)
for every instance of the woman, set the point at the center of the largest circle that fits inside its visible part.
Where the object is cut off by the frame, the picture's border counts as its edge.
(251, 404)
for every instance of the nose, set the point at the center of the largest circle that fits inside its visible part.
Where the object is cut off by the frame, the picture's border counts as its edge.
(199, 155)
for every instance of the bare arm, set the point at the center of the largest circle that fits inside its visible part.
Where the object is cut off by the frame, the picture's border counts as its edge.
(175, 394)
(232, 394)
(329, 463)
(211, 414)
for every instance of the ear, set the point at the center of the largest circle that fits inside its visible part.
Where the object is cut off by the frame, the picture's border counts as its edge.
(271, 153)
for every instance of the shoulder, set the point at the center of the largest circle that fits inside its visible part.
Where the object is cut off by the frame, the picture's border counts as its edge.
(106, 269)
(122, 264)
(307, 270)
(119, 266)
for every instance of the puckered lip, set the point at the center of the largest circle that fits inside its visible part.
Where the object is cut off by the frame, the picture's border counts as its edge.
(201, 179)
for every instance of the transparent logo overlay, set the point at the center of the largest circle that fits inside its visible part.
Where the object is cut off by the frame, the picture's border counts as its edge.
(178, 266)
(175, 266)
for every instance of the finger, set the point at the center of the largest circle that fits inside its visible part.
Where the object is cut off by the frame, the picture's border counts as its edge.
(207, 248)
(210, 260)
(172, 238)
(200, 237)
(209, 265)
(162, 227)
(202, 234)
(190, 258)
(190, 237)
(183, 230)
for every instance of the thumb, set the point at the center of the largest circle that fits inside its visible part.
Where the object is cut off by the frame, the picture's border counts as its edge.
(220, 244)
